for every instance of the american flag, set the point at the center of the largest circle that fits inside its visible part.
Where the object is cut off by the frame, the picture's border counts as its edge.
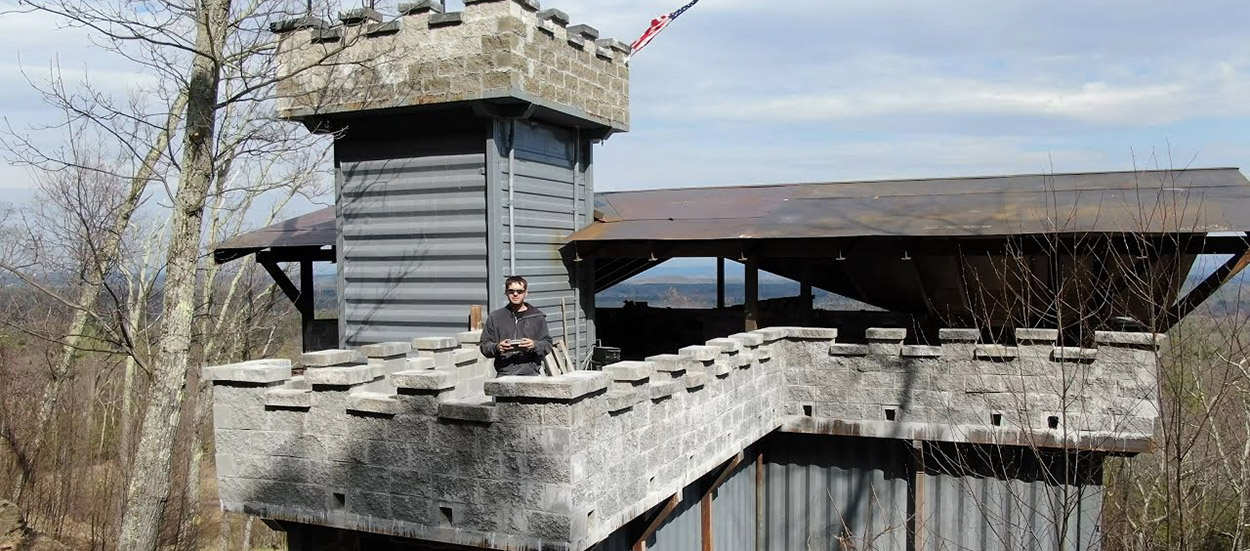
(657, 25)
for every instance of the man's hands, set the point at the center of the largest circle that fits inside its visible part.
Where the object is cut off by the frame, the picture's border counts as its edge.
(522, 344)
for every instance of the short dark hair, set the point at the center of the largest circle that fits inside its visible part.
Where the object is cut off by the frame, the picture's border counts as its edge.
(525, 285)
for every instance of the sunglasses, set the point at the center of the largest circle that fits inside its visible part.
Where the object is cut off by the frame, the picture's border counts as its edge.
(516, 291)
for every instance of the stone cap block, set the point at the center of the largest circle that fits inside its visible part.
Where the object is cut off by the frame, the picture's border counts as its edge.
(994, 352)
(919, 351)
(743, 359)
(435, 344)
(848, 350)
(748, 339)
(669, 363)
(444, 19)
(386, 349)
(332, 34)
(356, 16)
(662, 390)
(696, 380)
(253, 372)
(465, 356)
(811, 333)
(298, 23)
(340, 376)
(630, 371)
(1129, 339)
(558, 17)
(721, 369)
(699, 353)
(891, 334)
(420, 363)
(1042, 336)
(424, 379)
(379, 29)
(374, 402)
(477, 412)
(620, 401)
(959, 335)
(725, 344)
(771, 334)
(566, 387)
(1073, 354)
(470, 337)
(584, 30)
(326, 358)
(614, 44)
(289, 398)
(424, 6)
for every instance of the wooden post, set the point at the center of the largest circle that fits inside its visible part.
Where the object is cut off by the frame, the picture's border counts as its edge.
(805, 295)
(475, 317)
(761, 516)
(720, 283)
(306, 304)
(752, 290)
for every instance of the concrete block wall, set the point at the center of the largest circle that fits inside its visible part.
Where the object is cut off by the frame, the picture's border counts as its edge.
(415, 441)
(493, 49)
(1035, 393)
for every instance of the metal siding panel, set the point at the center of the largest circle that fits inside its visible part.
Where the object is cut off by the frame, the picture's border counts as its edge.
(683, 530)
(415, 247)
(733, 510)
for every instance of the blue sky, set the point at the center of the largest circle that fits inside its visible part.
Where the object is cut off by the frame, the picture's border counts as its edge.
(749, 91)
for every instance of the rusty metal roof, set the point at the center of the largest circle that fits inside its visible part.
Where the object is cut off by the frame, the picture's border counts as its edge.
(315, 229)
(1170, 201)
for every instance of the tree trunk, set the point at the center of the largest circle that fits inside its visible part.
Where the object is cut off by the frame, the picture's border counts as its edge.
(149, 485)
(89, 292)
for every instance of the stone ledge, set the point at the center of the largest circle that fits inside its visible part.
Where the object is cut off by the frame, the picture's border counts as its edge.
(771, 334)
(327, 358)
(558, 17)
(259, 372)
(699, 353)
(424, 6)
(356, 16)
(952, 335)
(1036, 336)
(1073, 354)
(994, 352)
(380, 29)
(340, 376)
(662, 390)
(621, 401)
(751, 339)
(630, 371)
(890, 334)
(920, 351)
(445, 19)
(848, 350)
(465, 356)
(374, 402)
(810, 333)
(469, 338)
(743, 359)
(1144, 340)
(696, 380)
(468, 411)
(566, 387)
(725, 344)
(416, 364)
(296, 24)
(386, 349)
(424, 379)
(586, 31)
(721, 369)
(435, 344)
(289, 398)
(672, 364)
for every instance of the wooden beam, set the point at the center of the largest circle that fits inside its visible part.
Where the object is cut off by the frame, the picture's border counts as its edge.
(475, 317)
(657, 521)
(297, 254)
(720, 282)
(752, 290)
(283, 282)
(307, 303)
(1204, 290)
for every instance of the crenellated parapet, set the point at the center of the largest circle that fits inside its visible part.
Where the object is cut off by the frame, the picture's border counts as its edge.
(417, 440)
(493, 50)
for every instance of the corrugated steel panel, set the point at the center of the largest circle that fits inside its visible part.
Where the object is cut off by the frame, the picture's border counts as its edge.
(549, 203)
(734, 508)
(413, 246)
(683, 531)
(1007, 500)
(836, 493)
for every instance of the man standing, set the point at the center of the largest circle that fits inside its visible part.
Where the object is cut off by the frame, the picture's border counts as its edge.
(516, 336)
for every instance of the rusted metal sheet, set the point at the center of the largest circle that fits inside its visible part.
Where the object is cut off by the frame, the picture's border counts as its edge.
(1188, 201)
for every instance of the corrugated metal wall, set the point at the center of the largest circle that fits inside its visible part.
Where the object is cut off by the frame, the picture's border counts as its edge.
(836, 493)
(734, 509)
(991, 499)
(552, 199)
(413, 249)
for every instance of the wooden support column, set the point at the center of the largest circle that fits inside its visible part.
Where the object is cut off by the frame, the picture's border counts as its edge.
(306, 304)
(720, 282)
(761, 515)
(805, 295)
(669, 506)
(752, 290)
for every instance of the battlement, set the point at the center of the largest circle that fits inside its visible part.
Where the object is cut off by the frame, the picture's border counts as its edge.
(416, 440)
(493, 50)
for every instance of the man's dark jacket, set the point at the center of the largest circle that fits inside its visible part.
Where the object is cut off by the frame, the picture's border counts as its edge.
(502, 325)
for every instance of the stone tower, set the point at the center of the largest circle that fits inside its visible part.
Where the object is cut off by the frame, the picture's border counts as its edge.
(463, 153)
